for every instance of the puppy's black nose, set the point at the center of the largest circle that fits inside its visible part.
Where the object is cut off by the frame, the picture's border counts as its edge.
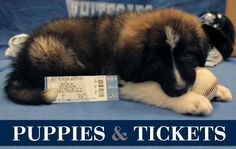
(176, 91)
(180, 86)
(180, 90)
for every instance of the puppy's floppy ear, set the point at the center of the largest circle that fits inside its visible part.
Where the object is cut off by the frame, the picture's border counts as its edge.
(202, 56)
(219, 40)
(202, 49)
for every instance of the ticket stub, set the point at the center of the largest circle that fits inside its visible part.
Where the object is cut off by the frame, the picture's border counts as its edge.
(84, 88)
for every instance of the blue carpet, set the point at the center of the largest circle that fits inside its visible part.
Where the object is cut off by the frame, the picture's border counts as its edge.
(114, 110)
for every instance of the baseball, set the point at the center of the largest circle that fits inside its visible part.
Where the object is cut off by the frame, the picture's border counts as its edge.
(206, 83)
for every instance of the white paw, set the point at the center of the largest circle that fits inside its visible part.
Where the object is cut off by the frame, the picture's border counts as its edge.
(122, 83)
(124, 91)
(131, 91)
(50, 95)
(192, 103)
(223, 93)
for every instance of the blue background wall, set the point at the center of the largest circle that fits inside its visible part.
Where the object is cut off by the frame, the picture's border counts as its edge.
(17, 16)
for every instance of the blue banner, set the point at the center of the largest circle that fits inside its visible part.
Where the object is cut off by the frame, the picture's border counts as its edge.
(117, 133)
(23, 15)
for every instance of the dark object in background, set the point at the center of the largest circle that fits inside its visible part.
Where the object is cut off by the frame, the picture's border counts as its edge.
(220, 31)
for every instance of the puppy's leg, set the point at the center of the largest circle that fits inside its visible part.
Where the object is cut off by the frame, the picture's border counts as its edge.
(151, 93)
(223, 93)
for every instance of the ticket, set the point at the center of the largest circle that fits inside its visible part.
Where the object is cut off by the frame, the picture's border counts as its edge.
(83, 88)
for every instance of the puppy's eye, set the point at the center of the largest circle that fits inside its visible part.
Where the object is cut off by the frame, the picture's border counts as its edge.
(187, 57)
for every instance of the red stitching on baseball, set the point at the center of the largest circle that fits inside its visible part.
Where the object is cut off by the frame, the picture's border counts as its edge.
(211, 88)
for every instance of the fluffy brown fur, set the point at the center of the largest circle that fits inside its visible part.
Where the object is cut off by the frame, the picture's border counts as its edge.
(131, 45)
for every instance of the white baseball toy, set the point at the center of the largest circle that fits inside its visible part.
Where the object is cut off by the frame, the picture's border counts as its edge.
(206, 83)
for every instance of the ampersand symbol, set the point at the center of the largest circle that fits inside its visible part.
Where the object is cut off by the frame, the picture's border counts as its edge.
(118, 135)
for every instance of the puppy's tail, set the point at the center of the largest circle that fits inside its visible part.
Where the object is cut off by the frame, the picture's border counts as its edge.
(47, 53)
(18, 91)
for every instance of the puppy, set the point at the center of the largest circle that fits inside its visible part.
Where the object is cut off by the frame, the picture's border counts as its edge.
(162, 46)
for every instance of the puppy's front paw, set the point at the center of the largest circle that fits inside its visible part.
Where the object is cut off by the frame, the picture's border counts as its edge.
(122, 83)
(223, 93)
(50, 95)
(192, 103)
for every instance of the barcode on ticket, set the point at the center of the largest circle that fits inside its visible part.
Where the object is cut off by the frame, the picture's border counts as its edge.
(83, 88)
(101, 89)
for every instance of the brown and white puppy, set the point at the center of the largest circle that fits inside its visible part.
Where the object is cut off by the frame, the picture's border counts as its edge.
(162, 46)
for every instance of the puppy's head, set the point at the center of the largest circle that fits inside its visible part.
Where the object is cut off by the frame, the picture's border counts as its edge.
(164, 46)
